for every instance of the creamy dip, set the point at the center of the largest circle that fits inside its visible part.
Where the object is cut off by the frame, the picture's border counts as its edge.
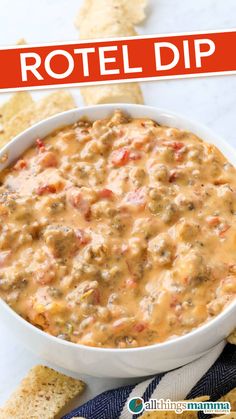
(118, 233)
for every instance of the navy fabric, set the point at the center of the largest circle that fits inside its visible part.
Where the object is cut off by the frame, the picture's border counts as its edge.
(107, 405)
(218, 381)
(149, 390)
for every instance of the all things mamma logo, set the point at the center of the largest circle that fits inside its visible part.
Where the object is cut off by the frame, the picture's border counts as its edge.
(136, 405)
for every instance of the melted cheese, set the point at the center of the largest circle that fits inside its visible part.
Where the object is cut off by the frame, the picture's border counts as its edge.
(118, 233)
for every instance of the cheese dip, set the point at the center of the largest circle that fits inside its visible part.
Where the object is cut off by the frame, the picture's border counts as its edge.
(118, 233)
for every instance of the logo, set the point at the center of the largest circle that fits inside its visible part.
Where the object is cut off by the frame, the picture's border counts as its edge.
(136, 405)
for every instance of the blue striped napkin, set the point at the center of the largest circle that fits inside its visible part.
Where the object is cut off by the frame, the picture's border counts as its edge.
(214, 375)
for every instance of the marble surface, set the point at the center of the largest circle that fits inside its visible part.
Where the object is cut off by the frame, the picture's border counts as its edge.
(209, 100)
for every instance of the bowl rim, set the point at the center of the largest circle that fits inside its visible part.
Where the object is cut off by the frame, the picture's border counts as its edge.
(177, 340)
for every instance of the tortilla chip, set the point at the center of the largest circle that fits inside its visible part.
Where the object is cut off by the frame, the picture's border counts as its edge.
(36, 111)
(105, 19)
(232, 338)
(21, 41)
(231, 398)
(136, 10)
(42, 394)
(108, 18)
(112, 93)
(15, 104)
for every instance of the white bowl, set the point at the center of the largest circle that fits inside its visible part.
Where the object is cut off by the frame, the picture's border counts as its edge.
(117, 362)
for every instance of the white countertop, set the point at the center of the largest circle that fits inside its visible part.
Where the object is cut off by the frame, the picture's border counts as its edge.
(209, 100)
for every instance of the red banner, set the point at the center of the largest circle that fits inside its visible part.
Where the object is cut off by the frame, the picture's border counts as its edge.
(118, 60)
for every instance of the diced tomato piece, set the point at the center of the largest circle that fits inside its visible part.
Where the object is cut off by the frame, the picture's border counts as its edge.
(179, 156)
(223, 230)
(138, 144)
(40, 144)
(136, 197)
(120, 157)
(83, 239)
(96, 296)
(140, 327)
(4, 257)
(176, 145)
(174, 298)
(45, 189)
(106, 194)
(48, 159)
(77, 201)
(74, 196)
(20, 165)
(221, 181)
(83, 206)
(213, 221)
